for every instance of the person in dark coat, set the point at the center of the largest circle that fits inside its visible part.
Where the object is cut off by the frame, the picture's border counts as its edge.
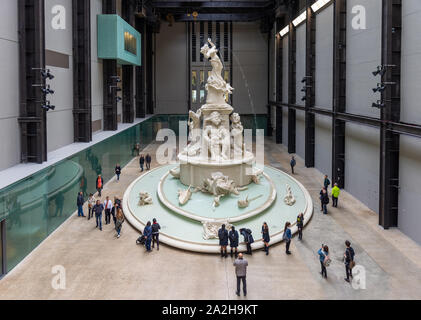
(155, 234)
(265, 237)
(80, 201)
(233, 237)
(142, 162)
(98, 209)
(248, 239)
(114, 211)
(223, 240)
(148, 161)
(117, 171)
(147, 234)
(99, 184)
(324, 200)
(300, 225)
(326, 182)
(293, 163)
(287, 236)
(349, 260)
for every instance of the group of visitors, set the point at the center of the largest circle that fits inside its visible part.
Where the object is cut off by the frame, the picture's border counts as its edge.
(324, 195)
(150, 235)
(348, 259)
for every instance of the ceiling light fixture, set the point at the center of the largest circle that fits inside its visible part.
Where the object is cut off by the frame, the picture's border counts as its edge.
(319, 4)
(299, 19)
(284, 31)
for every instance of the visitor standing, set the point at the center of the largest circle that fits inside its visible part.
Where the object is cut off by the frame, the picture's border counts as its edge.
(287, 237)
(114, 212)
(147, 234)
(148, 161)
(108, 206)
(300, 225)
(117, 201)
(326, 182)
(335, 195)
(142, 162)
(324, 200)
(233, 237)
(223, 240)
(99, 184)
(119, 222)
(293, 164)
(155, 234)
(248, 239)
(117, 171)
(324, 259)
(265, 237)
(80, 201)
(349, 260)
(91, 204)
(240, 265)
(98, 209)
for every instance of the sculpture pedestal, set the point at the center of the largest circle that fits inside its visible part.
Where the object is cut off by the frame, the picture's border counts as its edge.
(194, 170)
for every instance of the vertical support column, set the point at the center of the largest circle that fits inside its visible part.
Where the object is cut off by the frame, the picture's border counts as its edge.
(128, 9)
(292, 123)
(32, 118)
(82, 85)
(110, 74)
(279, 77)
(310, 83)
(391, 97)
(140, 73)
(149, 69)
(339, 92)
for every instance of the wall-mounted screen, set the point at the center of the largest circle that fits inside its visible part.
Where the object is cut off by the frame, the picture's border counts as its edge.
(130, 43)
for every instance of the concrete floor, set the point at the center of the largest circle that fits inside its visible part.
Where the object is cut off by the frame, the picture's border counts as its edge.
(98, 266)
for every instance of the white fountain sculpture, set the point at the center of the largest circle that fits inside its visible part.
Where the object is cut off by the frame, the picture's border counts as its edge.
(216, 142)
(210, 229)
(145, 199)
(289, 198)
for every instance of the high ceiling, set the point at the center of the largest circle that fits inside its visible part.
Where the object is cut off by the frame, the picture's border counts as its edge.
(215, 10)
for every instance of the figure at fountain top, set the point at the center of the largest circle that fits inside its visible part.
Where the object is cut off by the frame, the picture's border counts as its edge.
(216, 86)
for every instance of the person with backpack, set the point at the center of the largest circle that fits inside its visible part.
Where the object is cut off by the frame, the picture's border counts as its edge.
(265, 237)
(287, 237)
(223, 240)
(293, 163)
(155, 234)
(234, 239)
(300, 225)
(326, 182)
(324, 200)
(248, 239)
(324, 259)
(349, 260)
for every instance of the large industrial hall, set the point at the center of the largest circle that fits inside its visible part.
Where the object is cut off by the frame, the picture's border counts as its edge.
(210, 150)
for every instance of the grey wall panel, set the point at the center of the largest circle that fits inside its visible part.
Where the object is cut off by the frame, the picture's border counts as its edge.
(363, 55)
(272, 66)
(409, 219)
(96, 66)
(411, 61)
(60, 120)
(285, 67)
(324, 58)
(300, 134)
(362, 152)
(323, 140)
(300, 63)
(9, 88)
(250, 65)
(285, 126)
(171, 69)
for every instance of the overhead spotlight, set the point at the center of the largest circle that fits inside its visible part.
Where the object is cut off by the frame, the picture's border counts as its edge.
(380, 88)
(47, 106)
(304, 89)
(118, 99)
(47, 74)
(118, 89)
(305, 79)
(381, 70)
(304, 98)
(116, 78)
(378, 105)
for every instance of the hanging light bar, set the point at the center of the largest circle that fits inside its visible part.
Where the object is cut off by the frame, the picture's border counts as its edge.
(319, 4)
(284, 31)
(300, 19)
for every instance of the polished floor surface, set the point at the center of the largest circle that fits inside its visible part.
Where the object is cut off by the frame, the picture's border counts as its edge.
(99, 266)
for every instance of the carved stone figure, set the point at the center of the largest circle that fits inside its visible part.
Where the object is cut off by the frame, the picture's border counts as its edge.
(242, 204)
(145, 199)
(175, 172)
(194, 134)
(210, 229)
(257, 173)
(289, 198)
(237, 134)
(184, 196)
